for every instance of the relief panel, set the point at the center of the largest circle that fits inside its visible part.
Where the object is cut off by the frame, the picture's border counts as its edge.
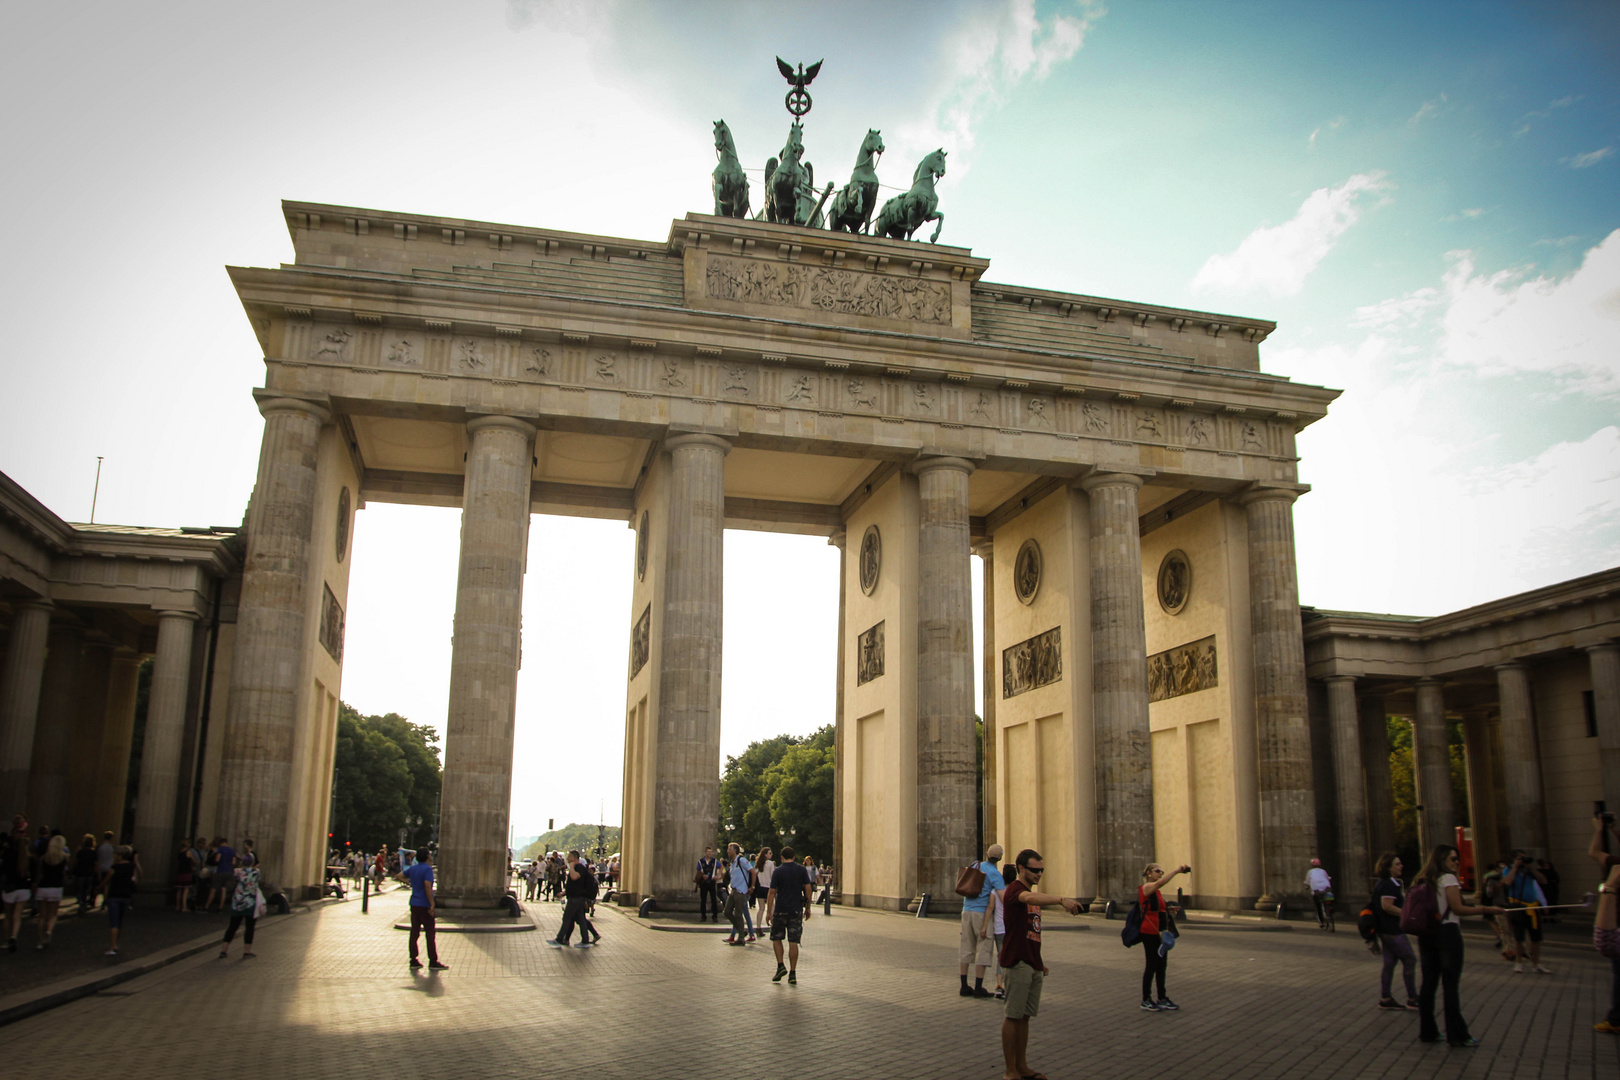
(842, 292)
(1033, 663)
(1185, 669)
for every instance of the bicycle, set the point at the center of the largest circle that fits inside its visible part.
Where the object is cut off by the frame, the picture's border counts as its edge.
(1324, 912)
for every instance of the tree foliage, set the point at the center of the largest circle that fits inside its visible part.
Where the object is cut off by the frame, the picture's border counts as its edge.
(780, 791)
(1403, 781)
(385, 774)
(574, 837)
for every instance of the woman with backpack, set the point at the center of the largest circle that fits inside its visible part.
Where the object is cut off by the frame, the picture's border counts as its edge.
(1158, 934)
(1433, 910)
(1387, 896)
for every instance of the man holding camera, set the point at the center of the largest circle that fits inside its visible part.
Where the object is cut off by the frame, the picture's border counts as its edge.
(1522, 884)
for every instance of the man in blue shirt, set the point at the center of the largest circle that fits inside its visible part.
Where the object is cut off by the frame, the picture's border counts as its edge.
(742, 880)
(975, 948)
(420, 878)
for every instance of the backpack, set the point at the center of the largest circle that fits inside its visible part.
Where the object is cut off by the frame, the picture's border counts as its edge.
(1420, 913)
(1131, 933)
(1367, 924)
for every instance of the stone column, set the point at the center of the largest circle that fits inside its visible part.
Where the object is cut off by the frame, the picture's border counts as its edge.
(1373, 720)
(839, 540)
(1119, 687)
(53, 733)
(1287, 811)
(161, 748)
(686, 798)
(1521, 761)
(1431, 767)
(19, 700)
(1355, 868)
(1481, 787)
(267, 671)
(987, 553)
(84, 747)
(112, 769)
(477, 792)
(947, 776)
(1604, 661)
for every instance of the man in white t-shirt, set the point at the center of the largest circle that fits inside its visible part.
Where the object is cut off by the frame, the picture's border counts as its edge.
(1321, 886)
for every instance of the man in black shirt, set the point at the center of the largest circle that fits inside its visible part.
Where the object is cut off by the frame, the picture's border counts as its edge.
(708, 870)
(787, 905)
(579, 888)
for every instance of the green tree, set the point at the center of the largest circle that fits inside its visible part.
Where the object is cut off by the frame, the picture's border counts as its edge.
(385, 772)
(574, 837)
(780, 791)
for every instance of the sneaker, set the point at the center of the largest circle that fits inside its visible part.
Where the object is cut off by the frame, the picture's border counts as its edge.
(1413, 1005)
(1518, 969)
(436, 966)
(109, 952)
(1149, 1006)
(1606, 1028)
(582, 945)
(1001, 994)
(1167, 1005)
(793, 978)
(1539, 969)
(596, 940)
(966, 991)
(1467, 1044)
(751, 939)
(1390, 1003)
(731, 939)
(554, 943)
(781, 973)
(739, 942)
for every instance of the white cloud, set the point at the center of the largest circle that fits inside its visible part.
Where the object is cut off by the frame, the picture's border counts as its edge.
(1329, 128)
(1278, 258)
(1000, 48)
(1588, 159)
(1430, 108)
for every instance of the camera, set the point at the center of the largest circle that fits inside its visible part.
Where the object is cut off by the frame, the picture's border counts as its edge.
(1608, 817)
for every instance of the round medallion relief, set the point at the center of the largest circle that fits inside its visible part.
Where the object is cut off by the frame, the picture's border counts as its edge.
(1175, 582)
(343, 524)
(1027, 569)
(871, 559)
(641, 548)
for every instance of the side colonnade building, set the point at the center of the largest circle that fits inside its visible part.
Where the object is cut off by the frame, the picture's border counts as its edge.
(1126, 471)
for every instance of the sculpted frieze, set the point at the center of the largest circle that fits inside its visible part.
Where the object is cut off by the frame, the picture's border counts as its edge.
(845, 292)
(1185, 669)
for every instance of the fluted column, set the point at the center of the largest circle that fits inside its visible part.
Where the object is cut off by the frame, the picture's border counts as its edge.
(1373, 720)
(686, 799)
(484, 654)
(1481, 788)
(19, 699)
(1283, 736)
(839, 540)
(112, 767)
(987, 554)
(163, 742)
(1355, 867)
(946, 772)
(1604, 662)
(1521, 761)
(1119, 686)
(1431, 767)
(261, 716)
(53, 733)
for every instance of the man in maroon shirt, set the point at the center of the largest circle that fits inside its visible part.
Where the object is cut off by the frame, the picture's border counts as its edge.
(1021, 957)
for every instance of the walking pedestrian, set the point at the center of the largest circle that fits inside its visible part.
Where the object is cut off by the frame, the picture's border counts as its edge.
(579, 889)
(1321, 887)
(973, 947)
(764, 865)
(1021, 956)
(118, 887)
(106, 854)
(84, 873)
(741, 881)
(1387, 897)
(1525, 904)
(1606, 928)
(1158, 934)
(16, 880)
(707, 878)
(424, 910)
(1441, 950)
(246, 905)
(787, 905)
(49, 881)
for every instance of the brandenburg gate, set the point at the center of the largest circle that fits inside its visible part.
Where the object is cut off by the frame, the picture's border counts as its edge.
(1125, 470)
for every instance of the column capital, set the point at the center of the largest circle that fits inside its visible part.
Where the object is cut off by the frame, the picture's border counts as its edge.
(1339, 679)
(1426, 681)
(838, 538)
(1601, 647)
(1511, 665)
(984, 547)
(956, 464)
(271, 402)
(1266, 490)
(682, 439)
(487, 421)
(42, 603)
(1100, 478)
(189, 616)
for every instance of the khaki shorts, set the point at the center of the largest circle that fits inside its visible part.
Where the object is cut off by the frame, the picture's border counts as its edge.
(1023, 991)
(974, 949)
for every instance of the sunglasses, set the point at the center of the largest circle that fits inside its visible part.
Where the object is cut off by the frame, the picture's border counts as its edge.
(1036, 869)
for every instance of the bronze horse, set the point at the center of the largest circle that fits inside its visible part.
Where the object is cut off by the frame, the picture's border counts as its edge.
(852, 207)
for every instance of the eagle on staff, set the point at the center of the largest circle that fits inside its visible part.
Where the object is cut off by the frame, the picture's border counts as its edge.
(798, 99)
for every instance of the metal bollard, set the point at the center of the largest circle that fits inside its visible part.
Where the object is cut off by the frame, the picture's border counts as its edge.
(922, 905)
(826, 901)
(365, 897)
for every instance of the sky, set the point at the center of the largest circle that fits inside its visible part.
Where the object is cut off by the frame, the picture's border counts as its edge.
(1424, 196)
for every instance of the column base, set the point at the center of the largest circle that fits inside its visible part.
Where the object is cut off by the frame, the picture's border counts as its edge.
(470, 901)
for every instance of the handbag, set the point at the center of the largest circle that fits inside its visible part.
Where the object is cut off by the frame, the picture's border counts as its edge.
(970, 880)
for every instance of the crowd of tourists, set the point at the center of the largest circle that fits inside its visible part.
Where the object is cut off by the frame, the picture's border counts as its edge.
(38, 872)
(544, 878)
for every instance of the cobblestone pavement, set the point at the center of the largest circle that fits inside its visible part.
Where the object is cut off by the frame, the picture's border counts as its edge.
(876, 998)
